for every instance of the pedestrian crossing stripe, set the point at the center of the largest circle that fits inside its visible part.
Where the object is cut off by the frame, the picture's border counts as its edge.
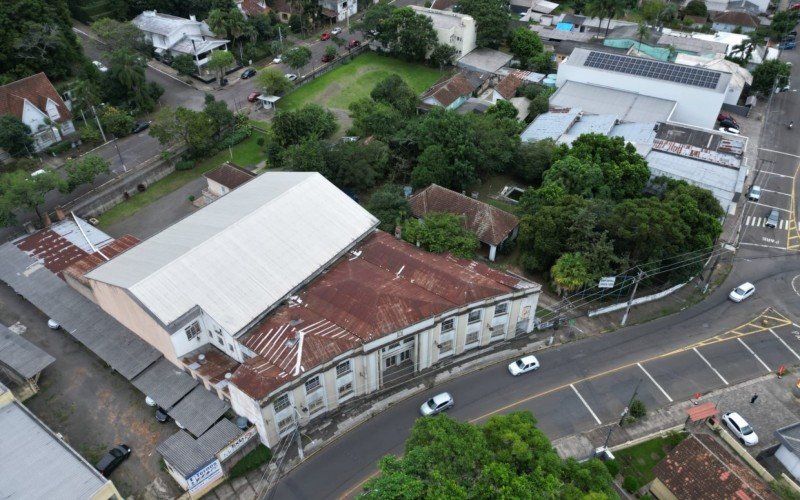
(761, 221)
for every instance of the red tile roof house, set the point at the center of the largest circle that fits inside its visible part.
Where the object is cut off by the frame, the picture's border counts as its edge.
(449, 94)
(38, 105)
(492, 226)
(287, 278)
(702, 467)
(224, 179)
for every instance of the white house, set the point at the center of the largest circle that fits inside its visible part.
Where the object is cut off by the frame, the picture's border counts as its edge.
(171, 35)
(338, 10)
(35, 102)
(453, 29)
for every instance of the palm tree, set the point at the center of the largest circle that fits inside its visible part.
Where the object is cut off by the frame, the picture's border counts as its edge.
(745, 50)
(643, 31)
(605, 9)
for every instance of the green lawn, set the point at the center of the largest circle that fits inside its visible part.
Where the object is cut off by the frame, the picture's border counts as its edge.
(639, 460)
(350, 82)
(245, 153)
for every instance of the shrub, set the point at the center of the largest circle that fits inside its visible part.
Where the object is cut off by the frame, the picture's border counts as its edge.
(253, 460)
(90, 134)
(184, 165)
(638, 409)
(613, 467)
(191, 198)
(631, 484)
(59, 148)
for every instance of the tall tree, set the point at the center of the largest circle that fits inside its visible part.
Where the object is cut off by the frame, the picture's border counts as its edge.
(409, 36)
(390, 206)
(232, 24)
(126, 82)
(605, 9)
(394, 91)
(312, 120)
(84, 171)
(273, 81)
(525, 45)
(770, 74)
(441, 232)
(15, 136)
(119, 35)
(19, 190)
(442, 55)
(193, 128)
(375, 17)
(570, 272)
(297, 57)
(219, 62)
(491, 18)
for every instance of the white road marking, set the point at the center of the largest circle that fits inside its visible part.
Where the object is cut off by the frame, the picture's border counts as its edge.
(710, 366)
(784, 344)
(779, 175)
(779, 152)
(794, 287)
(770, 206)
(586, 404)
(654, 382)
(776, 192)
(763, 246)
(755, 355)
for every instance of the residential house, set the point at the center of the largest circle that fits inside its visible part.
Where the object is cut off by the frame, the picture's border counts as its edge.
(449, 94)
(224, 179)
(788, 452)
(172, 35)
(338, 10)
(701, 467)
(252, 7)
(731, 21)
(492, 226)
(506, 88)
(453, 29)
(284, 297)
(35, 102)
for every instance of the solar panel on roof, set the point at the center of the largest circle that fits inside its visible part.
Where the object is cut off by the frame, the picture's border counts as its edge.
(653, 69)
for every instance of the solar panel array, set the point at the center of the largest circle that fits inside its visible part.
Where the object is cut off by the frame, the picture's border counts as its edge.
(653, 69)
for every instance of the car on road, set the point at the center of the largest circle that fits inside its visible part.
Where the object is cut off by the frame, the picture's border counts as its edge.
(112, 459)
(437, 404)
(353, 44)
(788, 45)
(248, 73)
(253, 96)
(100, 66)
(740, 428)
(755, 193)
(730, 130)
(139, 126)
(290, 76)
(335, 31)
(742, 292)
(523, 365)
(328, 57)
(773, 219)
(325, 36)
(53, 324)
(278, 59)
(161, 415)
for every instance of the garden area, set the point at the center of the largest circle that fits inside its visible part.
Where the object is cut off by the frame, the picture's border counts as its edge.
(637, 462)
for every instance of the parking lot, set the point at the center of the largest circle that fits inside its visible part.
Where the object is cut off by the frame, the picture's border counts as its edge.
(776, 180)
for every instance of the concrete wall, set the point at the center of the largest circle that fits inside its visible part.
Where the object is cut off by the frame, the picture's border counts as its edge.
(789, 460)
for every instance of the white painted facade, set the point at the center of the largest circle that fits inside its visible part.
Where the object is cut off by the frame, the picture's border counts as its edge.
(343, 8)
(453, 29)
(789, 460)
(44, 129)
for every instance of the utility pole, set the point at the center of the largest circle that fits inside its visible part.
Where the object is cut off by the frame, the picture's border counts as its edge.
(124, 168)
(622, 416)
(639, 278)
(98, 124)
(297, 434)
(280, 36)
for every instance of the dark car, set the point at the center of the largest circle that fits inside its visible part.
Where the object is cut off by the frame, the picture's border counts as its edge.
(728, 124)
(140, 126)
(249, 72)
(112, 459)
(353, 44)
(726, 117)
(161, 415)
(328, 58)
(253, 96)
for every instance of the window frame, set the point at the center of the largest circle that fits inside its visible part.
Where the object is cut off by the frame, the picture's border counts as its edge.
(470, 320)
(504, 306)
(451, 322)
(477, 336)
(193, 330)
(315, 378)
(279, 402)
(348, 370)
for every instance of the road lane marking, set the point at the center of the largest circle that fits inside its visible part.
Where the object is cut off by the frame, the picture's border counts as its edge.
(784, 344)
(754, 355)
(771, 206)
(765, 246)
(710, 366)
(654, 382)
(586, 404)
(778, 152)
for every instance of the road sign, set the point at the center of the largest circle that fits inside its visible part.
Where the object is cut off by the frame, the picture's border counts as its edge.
(607, 282)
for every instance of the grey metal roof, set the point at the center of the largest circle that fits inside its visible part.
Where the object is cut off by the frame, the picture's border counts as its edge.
(21, 355)
(198, 410)
(789, 436)
(164, 383)
(593, 124)
(187, 454)
(723, 182)
(164, 24)
(627, 106)
(185, 45)
(554, 34)
(34, 463)
(641, 135)
(486, 60)
(90, 325)
(696, 45)
(550, 125)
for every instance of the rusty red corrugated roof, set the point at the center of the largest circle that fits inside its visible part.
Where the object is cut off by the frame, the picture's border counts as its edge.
(36, 89)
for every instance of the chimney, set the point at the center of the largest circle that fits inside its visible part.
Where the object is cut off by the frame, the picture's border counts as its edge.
(201, 359)
(60, 213)
(47, 220)
(192, 17)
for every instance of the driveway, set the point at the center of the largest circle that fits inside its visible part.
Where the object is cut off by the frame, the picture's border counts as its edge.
(92, 407)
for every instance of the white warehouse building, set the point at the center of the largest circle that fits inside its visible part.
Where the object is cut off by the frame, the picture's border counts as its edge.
(698, 92)
(453, 29)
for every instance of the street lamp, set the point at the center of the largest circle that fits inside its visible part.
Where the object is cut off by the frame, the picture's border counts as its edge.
(124, 168)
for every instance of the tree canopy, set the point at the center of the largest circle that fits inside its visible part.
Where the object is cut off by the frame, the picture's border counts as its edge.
(297, 57)
(491, 18)
(312, 120)
(390, 206)
(21, 191)
(273, 81)
(408, 35)
(15, 136)
(770, 73)
(85, 170)
(441, 232)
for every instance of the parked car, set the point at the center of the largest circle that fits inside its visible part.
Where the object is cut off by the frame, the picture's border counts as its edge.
(253, 96)
(100, 66)
(325, 36)
(730, 130)
(335, 31)
(773, 218)
(112, 459)
(742, 292)
(740, 428)
(249, 72)
(53, 324)
(523, 365)
(437, 404)
(375, 32)
(139, 126)
(755, 193)
(788, 45)
(291, 76)
(722, 117)
(328, 57)
(728, 123)
(353, 44)
(278, 59)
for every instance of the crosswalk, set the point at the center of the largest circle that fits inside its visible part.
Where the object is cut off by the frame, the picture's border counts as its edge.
(760, 221)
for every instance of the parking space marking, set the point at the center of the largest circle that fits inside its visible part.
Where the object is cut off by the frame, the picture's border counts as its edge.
(654, 382)
(776, 192)
(754, 355)
(779, 175)
(770, 206)
(586, 404)
(765, 246)
(709, 365)
(784, 344)
(779, 152)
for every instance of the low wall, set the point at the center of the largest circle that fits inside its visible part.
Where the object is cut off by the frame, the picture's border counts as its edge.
(640, 300)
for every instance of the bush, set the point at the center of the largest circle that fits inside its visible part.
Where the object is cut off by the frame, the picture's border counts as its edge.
(184, 165)
(613, 467)
(638, 409)
(59, 148)
(235, 137)
(631, 484)
(253, 460)
(90, 134)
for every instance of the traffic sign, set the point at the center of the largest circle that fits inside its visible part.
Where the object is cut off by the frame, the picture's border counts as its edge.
(607, 282)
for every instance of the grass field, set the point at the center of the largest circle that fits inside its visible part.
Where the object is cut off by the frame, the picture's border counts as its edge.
(245, 153)
(350, 82)
(639, 460)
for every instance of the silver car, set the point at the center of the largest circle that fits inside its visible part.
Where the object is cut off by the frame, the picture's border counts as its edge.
(437, 404)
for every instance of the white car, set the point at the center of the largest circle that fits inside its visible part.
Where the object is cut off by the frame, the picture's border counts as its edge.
(149, 401)
(291, 76)
(523, 365)
(278, 59)
(437, 404)
(730, 130)
(335, 31)
(100, 66)
(755, 193)
(740, 428)
(53, 324)
(742, 292)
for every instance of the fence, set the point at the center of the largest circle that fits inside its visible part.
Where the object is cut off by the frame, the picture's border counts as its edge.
(640, 300)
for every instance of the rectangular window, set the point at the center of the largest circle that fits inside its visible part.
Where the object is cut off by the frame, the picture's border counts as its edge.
(285, 424)
(501, 309)
(230, 347)
(345, 389)
(281, 403)
(448, 324)
(219, 339)
(474, 316)
(472, 337)
(343, 368)
(316, 405)
(499, 331)
(192, 330)
(446, 346)
(312, 384)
